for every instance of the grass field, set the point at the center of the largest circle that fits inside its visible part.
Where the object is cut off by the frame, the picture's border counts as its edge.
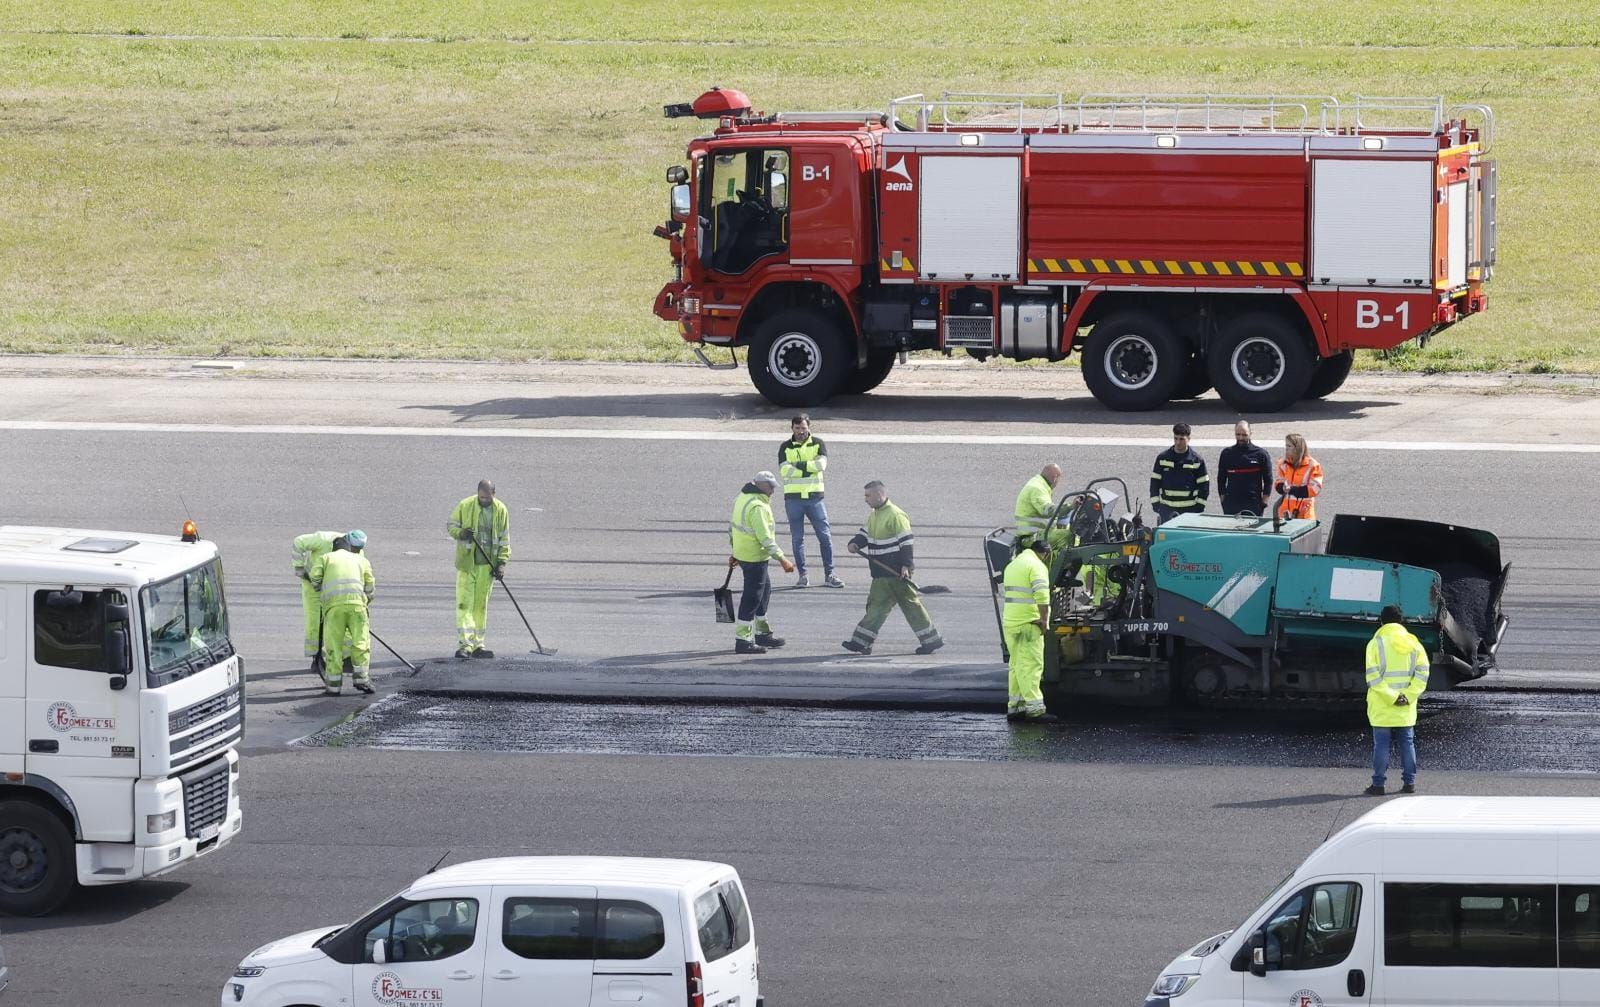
(480, 180)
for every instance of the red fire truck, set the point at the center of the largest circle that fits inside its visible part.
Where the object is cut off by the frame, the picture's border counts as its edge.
(1174, 242)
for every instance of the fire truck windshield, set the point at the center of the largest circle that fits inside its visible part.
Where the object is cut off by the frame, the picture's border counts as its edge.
(185, 623)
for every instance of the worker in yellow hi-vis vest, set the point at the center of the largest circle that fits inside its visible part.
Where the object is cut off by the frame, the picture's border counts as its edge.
(481, 528)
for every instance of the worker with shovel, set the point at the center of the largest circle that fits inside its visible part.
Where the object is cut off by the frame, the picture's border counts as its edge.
(343, 579)
(750, 536)
(305, 550)
(886, 542)
(480, 526)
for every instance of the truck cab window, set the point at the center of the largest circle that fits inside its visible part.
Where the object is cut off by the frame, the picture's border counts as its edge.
(746, 208)
(69, 630)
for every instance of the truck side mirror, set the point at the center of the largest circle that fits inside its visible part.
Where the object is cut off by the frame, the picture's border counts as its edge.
(1258, 953)
(115, 616)
(380, 951)
(680, 202)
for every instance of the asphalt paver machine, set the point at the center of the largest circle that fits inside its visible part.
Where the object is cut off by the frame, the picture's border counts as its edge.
(1210, 609)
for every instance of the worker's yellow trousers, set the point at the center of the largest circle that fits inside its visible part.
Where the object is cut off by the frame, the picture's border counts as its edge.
(345, 634)
(311, 606)
(472, 605)
(1025, 643)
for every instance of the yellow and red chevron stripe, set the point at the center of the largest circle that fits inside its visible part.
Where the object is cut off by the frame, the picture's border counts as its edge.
(906, 266)
(1162, 267)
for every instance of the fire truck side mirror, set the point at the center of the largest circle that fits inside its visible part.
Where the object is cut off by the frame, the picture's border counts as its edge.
(677, 174)
(680, 202)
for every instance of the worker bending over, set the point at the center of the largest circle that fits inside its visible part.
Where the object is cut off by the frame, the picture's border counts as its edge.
(886, 542)
(481, 528)
(1026, 619)
(343, 579)
(752, 542)
(1179, 484)
(305, 550)
(1036, 505)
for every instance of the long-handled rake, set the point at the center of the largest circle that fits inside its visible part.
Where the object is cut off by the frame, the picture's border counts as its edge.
(541, 648)
(415, 669)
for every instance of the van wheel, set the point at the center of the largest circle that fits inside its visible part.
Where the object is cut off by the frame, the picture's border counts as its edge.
(1330, 374)
(1196, 378)
(1133, 361)
(37, 867)
(1261, 363)
(798, 357)
(859, 381)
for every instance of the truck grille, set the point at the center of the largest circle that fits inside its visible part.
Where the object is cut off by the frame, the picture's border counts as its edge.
(182, 720)
(975, 331)
(200, 738)
(205, 797)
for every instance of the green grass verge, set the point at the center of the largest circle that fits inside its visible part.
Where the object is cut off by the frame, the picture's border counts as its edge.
(492, 198)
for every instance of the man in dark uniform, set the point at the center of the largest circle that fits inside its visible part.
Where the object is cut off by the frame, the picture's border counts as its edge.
(1179, 483)
(1244, 474)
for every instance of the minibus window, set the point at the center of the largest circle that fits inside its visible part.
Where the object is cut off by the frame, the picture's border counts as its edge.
(549, 929)
(1484, 926)
(1579, 927)
(629, 930)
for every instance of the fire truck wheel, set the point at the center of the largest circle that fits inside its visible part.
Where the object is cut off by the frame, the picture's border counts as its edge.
(1196, 379)
(798, 358)
(37, 867)
(1261, 363)
(862, 380)
(1133, 361)
(1330, 374)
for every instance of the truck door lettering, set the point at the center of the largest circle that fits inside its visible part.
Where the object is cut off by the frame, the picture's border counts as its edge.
(810, 173)
(1369, 317)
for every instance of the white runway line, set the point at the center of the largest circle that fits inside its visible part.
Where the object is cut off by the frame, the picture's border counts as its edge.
(759, 436)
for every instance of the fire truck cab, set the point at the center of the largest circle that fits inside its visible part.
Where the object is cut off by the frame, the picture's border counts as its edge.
(1175, 243)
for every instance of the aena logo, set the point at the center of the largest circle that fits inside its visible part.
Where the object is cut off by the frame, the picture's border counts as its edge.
(388, 989)
(898, 168)
(63, 718)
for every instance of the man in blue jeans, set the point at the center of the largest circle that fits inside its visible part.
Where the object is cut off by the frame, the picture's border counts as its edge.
(1397, 676)
(801, 461)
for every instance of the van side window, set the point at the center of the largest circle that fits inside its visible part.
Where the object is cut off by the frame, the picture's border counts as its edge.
(715, 927)
(561, 929)
(1579, 927)
(629, 930)
(68, 630)
(425, 931)
(1315, 929)
(1487, 926)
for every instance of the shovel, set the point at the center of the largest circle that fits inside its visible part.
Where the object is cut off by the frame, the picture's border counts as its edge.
(930, 589)
(722, 599)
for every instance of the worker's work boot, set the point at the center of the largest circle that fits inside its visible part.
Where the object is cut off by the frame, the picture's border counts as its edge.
(331, 688)
(769, 641)
(856, 648)
(929, 648)
(748, 647)
(365, 687)
(1409, 788)
(804, 581)
(833, 581)
(1373, 791)
(1041, 718)
(463, 652)
(482, 652)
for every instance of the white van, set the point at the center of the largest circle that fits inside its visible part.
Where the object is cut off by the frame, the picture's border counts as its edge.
(1460, 901)
(552, 931)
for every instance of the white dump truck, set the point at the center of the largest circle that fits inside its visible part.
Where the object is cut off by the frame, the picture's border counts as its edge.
(121, 710)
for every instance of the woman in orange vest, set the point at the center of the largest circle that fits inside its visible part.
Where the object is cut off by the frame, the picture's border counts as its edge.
(1299, 479)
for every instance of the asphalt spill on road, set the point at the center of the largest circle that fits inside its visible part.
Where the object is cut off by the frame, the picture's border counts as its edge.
(1479, 731)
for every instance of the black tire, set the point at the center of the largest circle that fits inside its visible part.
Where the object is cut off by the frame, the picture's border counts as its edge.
(860, 381)
(799, 357)
(38, 868)
(1330, 374)
(1261, 363)
(1133, 361)
(1196, 379)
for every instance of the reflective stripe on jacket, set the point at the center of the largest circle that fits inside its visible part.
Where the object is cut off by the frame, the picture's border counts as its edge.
(492, 527)
(1304, 482)
(1026, 587)
(1036, 505)
(1180, 482)
(800, 466)
(887, 539)
(1397, 664)
(343, 579)
(750, 528)
(308, 547)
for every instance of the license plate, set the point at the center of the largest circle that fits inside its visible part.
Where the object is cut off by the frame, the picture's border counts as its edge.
(207, 834)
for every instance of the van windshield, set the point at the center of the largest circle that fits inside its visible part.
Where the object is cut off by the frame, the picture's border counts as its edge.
(185, 623)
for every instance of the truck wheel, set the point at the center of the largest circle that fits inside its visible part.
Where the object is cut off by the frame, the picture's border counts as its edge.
(859, 381)
(798, 358)
(1133, 361)
(37, 867)
(1330, 374)
(1260, 363)
(1196, 379)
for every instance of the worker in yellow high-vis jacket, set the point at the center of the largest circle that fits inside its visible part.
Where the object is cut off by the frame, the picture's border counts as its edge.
(751, 544)
(1026, 618)
(344, 582)
(305, 550)
(481, 528)
(1397, 676)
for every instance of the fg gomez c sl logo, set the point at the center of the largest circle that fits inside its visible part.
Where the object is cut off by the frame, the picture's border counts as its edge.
(63, 718)
(388, 989)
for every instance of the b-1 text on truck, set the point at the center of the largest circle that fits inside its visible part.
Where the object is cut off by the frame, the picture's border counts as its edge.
(1175, 243)
(121, 710)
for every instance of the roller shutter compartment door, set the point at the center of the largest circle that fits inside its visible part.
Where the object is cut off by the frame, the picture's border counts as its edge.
(1372, 223)
(970, 218)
